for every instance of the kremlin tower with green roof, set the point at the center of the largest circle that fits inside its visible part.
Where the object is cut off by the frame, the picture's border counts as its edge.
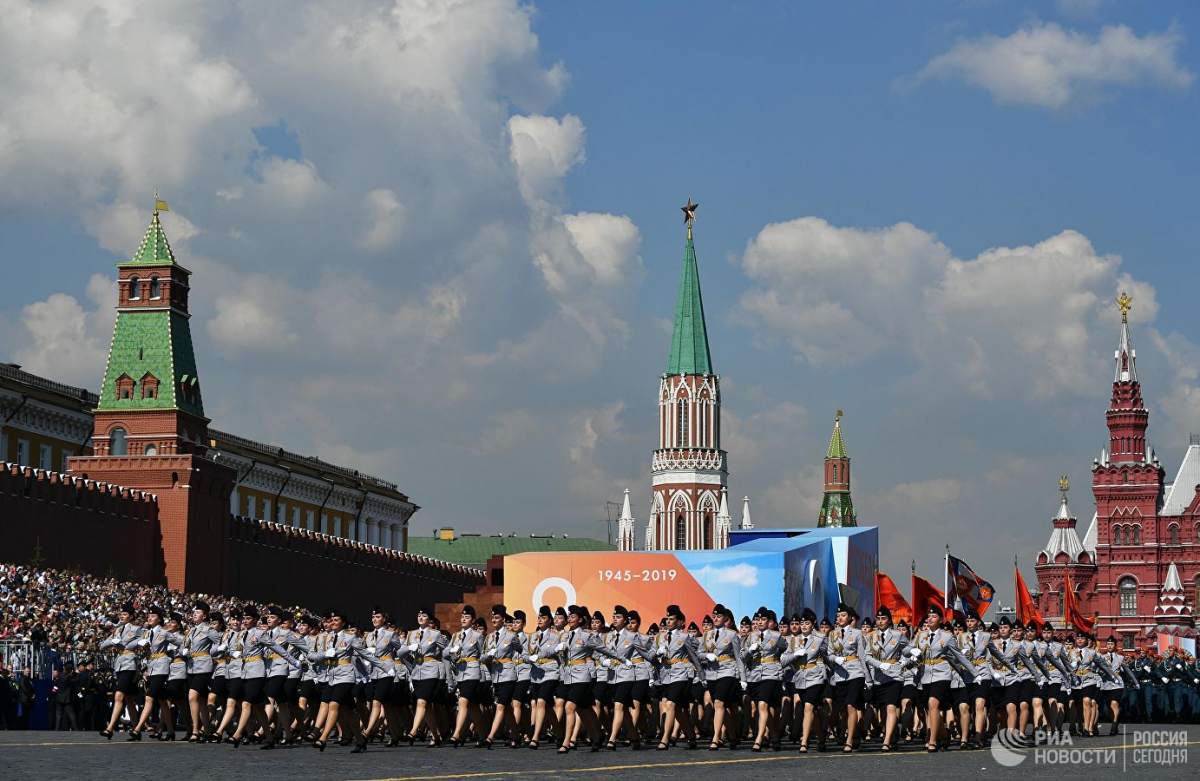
(689, 473)
(836, 508)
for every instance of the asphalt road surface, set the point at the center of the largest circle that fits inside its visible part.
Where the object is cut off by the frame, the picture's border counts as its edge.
(1170, 752)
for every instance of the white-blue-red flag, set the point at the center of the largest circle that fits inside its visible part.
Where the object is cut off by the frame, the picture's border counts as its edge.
(966, 591)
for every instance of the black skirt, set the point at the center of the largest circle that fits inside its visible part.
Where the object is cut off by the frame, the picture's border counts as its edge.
(939, 690)
(504, 692)
(813, 695)
(156, 686)
(219, 686)
(728, 690)
(426, 689)
(199, 682)
(342, 693)
(309, 691)
(886, 693)
(127, 681)
(849, 692)
(547, 690)
(275, 688)
(768, 691)
(255, 691)
(679, 692)
(580, 694)
(235, 689)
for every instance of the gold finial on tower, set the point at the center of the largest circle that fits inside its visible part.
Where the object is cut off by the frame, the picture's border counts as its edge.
(1064, 485)
(689, 214)
(838, 417)
(1124, 303)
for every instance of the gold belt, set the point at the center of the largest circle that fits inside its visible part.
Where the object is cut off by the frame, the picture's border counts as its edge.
(804, 665)
(344, 662)
(386, 656)
(637, 660)
(577, 662)
(850, 659)
(127, 653)
(504, 661)
(980, 662)
(546, 659)
(200, 653)
(766, 659)
(725, 658)
(678, 660)
(465, 659)
(158, 655)
(254, 658)
(932, 662)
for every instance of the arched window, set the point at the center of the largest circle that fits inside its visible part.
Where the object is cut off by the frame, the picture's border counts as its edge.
(117, 444)
(835, 473)
(151, 450)
(681, 423)
(155, 288)
(125, 387)
(1116, 535)
(1054, 603)
(680, 533)
(1173, 534)
(135, 288)
(1137, 534)
(1127, 587)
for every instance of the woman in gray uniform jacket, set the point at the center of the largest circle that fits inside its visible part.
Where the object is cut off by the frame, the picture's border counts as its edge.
(677, 655)
(158, 667)
(884, 656)
(544, 672)
(344, 646)
(464, 652)
(724, 675)
(201, 637)
(382, 688)
(845, 659)
(936, 650)
(424, 654)
(635, 648)
(805, 657)
(578, 646)
(126, 639)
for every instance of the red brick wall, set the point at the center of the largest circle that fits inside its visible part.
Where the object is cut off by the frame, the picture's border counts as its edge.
(79, 524)
(272, 562)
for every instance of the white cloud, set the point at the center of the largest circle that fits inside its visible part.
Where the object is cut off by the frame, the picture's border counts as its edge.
(544, 149)
(65, 341)
(1030, 317)
(1048, 66)
(743, 575)
(385, 216)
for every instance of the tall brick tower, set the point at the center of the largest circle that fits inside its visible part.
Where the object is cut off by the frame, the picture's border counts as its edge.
(150, 429)
(1127, 481)
(688, 470)
(836, 508)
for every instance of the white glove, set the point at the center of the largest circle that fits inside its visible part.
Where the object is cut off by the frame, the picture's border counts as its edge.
(885, 665)
(628, 663)
(711, 657)
(743, 686)
(220, 649)
(660, 651)
(560, 647)
(236, 654)
(1165, 679)
(838, 659)
(186, 652)
(143, 642)
(330, 653)
(752, 647)
(452, 649)
(412, 648)
(488, 654)
(370, 649)
(914, 653)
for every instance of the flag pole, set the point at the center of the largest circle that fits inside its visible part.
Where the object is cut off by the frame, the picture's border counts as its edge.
(946, 580)
(912, 589)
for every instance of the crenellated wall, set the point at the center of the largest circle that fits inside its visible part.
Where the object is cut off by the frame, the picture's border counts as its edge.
(69, 522)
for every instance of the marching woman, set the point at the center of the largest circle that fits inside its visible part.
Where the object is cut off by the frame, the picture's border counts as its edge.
(936, 651)
(158, 668)
(845, 660)
(175, 689)
(977, 647)
(884, 658)
(218, 685)
(380, 691)
(1012, 672)
(424, 654)
(764, 655)
(126, 638)
(503, 659)
(543, 673)
(465, 651)
(343, 646)
(201, 637)
(307, 693)
(678, 657)
(232, 645)
(1051, 653)
(630, 681)
(910, 695)
(1086, 671)
(579, 646)
(1114, 688)
(723, 652)
(806, 658)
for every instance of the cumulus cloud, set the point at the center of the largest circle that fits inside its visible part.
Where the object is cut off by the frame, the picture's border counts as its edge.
(840, 295)
(743, 575)
(66, 341)
(1048, 66)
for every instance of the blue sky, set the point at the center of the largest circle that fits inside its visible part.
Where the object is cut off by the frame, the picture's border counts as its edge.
(443, 245)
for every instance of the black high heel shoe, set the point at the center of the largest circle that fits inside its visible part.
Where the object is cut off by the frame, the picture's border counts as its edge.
(235, 742)
(134, 736)
(485, 743)
(319, 745)
(106, 734)
(360, 745)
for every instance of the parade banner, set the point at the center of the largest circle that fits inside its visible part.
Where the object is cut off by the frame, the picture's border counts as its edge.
(1167, 640)
(648, 582)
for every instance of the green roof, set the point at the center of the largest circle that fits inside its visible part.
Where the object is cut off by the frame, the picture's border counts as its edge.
(689, 341)
(837, 448)
(475, 550)
(154, 250)
(157, 342)
(837, 510)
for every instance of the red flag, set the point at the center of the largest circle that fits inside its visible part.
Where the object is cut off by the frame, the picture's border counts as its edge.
(1026, 608)
(1071, 612)
(925, 596)
(887, 595)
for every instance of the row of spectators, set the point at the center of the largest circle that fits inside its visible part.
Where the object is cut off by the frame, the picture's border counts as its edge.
(69, 613)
